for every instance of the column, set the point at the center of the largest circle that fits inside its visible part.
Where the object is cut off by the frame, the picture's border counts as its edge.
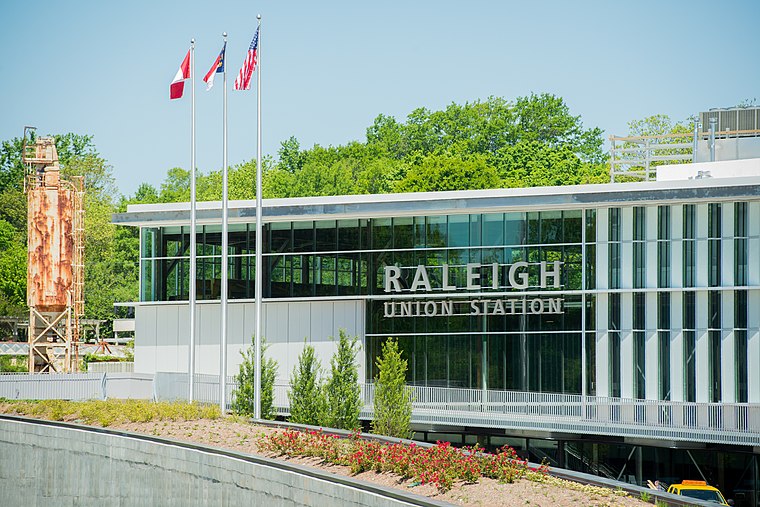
(602, 345)
(676, 347)
(702, 347)
(651, 348)
(626, 343)
(727, 347)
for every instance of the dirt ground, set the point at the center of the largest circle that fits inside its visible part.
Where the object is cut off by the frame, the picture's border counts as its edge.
(240, 436)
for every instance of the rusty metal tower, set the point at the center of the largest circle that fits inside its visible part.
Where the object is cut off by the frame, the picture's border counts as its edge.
(55, 259)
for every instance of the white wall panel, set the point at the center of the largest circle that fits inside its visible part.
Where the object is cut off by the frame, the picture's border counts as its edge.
(727, 261)
(651, 271)
(753, 345)
(602, 225)
(286, 325)
(626, 248)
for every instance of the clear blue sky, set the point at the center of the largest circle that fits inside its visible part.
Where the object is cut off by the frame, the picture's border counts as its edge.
(329, 68)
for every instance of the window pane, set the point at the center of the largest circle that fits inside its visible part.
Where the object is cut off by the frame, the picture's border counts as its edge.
(149, 239)
(459, 231)
(493, 229)
(436, 231)
(303, 236)
(403, 232)
(590, 226)
(348, 235)
(326, 236)
(280, 238)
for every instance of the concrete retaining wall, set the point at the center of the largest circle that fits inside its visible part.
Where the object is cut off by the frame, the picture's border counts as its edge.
(52, 464)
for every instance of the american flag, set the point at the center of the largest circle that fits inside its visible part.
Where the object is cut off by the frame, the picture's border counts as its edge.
(243, 79)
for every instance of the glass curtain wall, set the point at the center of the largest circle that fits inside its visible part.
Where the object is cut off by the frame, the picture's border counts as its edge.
(521, 350)
(508, 350)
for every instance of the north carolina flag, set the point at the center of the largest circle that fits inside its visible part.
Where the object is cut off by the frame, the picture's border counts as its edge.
(218, 67)
(178, 85)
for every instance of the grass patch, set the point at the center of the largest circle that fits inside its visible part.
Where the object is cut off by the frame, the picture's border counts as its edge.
(109, 412)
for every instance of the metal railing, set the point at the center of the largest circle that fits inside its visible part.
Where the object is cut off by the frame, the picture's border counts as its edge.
(637, 157)
(169, 386)
(720, 423)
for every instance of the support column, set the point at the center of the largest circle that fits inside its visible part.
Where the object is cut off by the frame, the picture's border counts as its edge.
(753, 346)
(651, 349)
(702, 351)
(626, 344)
(676, 347)
(727, 347)
(602, 346)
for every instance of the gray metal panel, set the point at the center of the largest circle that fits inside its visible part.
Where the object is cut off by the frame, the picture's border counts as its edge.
(183, 337)
(237, 334)
(167, 325)
(323, 331)
(145, 326)
(209, 325)
(145, 338)
(277, 335)
(299, 322)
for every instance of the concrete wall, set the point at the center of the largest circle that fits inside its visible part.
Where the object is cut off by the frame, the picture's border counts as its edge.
(162, 333)
(54, 464)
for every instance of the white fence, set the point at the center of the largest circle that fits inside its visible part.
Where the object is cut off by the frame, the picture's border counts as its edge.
(111, 367)
(64, 386)
(726, 423)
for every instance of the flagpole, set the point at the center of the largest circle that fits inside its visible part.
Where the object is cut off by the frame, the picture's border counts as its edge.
(192, 274)
(259, 241)
(223, 347)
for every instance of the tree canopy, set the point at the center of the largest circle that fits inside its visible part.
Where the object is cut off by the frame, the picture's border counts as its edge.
(493, 143)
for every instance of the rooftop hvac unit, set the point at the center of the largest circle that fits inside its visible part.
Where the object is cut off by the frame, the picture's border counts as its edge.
(734, 119)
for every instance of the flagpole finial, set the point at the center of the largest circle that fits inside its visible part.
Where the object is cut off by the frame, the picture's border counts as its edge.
(224, 34)
(258, 16)
(192, 41)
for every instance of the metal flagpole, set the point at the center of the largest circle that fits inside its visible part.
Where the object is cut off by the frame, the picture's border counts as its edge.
(192, 275)
(259, 241)
(223, 346)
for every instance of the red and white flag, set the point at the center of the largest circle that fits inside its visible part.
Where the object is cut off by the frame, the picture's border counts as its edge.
(243, 80)
(178, 85)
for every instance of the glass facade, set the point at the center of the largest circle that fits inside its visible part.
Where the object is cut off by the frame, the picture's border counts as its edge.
(508, 300)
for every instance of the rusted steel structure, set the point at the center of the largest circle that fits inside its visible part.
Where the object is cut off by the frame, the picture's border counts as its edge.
(55, 259)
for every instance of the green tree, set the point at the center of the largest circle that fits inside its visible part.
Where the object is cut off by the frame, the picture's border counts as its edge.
(393, 398)
(533, 164)
(12, 270)
(438, 172)
(291, 156)
(342, 386)
(176, 186)
(307, 398)
(244, 402)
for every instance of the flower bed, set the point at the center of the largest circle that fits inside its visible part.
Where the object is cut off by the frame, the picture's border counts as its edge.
(440, 465)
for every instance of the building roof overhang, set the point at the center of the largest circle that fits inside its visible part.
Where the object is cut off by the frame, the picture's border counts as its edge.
(451, 202)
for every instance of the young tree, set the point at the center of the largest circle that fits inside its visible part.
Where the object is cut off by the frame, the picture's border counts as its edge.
(393, 398)
(245, 394)
(307, 398)
(342, 391)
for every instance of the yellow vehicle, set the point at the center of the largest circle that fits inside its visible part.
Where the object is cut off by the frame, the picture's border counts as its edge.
(699, 490)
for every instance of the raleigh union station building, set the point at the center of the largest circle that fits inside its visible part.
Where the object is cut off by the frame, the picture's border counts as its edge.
(609, 328)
